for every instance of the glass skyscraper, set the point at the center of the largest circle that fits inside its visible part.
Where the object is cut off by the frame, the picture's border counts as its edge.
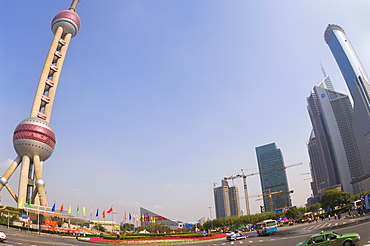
(273, 177)
(333, 151)
(358, 84)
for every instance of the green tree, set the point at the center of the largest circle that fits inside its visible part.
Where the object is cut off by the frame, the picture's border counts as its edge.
(99, 227)
(334, 198)
(314, 207)
(293, 213)
(127, 227)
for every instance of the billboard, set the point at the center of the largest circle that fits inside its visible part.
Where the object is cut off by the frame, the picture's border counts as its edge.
(367, 201)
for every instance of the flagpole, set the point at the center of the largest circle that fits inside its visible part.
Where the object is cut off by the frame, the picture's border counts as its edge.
(38, 222)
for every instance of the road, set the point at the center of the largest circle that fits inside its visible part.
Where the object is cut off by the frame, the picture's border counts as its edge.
(288, 235)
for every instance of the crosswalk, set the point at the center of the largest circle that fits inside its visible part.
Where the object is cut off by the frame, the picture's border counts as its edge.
(262, 241)
(326, 225)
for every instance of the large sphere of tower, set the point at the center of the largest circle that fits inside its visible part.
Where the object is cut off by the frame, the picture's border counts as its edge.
(34, 136)
(68, 20)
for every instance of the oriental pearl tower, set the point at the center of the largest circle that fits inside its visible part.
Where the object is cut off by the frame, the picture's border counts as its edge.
(34, 139)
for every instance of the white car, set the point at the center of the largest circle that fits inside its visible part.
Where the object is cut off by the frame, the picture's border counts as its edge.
(2, 236)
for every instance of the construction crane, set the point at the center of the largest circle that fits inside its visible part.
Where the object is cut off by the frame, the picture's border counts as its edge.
(247, 208)
(268, 194)
(244, 176)
(281, 197)
(214, 183)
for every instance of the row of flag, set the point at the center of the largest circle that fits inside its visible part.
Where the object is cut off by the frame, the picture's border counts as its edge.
(127, 216)
(69, 211)
(139, 217)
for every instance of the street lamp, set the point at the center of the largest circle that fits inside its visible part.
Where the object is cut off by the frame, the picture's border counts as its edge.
(210, 214)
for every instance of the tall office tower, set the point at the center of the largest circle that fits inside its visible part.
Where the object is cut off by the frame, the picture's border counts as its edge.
(333, 151)
(273, 177)
(358, 84)
(234, 201)
(34, 139)
(317, 175)
(226, 200)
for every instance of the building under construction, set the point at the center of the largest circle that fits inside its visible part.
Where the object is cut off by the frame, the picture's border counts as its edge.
(226, 200)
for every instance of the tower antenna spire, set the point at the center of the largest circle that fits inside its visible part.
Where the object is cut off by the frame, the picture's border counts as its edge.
(323, 70)
(74, 5)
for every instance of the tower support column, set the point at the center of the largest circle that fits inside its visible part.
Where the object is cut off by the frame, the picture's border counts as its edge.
(23, 178)
(39, 182)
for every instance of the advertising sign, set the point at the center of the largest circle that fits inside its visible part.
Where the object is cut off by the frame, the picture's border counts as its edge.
(367, 201)
(51, 223)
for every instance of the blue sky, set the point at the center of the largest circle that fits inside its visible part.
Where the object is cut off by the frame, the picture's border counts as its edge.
(156, 96)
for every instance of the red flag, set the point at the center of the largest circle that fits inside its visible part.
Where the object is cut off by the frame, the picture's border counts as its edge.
(103, 213)
(61, 208)
(110, 210)
(124, 216)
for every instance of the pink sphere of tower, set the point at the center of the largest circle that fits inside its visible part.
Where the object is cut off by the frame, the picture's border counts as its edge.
(69, 20)
(34, 136)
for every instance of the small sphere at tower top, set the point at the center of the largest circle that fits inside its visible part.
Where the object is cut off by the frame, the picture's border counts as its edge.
(68, 20)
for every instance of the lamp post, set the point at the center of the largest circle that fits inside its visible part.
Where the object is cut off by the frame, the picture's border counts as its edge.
(210, 214)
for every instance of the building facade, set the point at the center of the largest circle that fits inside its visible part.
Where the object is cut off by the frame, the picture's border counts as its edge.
(150, 217)
(358, 84)
(332, 148)
(226, 200)
(273, 177)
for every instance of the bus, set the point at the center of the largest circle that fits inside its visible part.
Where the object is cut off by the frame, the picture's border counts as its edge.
(267, 227)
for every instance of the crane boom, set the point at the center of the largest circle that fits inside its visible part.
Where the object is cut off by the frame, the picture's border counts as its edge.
(244, 177)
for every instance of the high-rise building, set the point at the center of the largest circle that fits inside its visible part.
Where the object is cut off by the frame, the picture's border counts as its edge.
(333, 151)
(234, 201)
(226, 200)
(34, 139)
(318, 176)
(358, 84)
(273, 177)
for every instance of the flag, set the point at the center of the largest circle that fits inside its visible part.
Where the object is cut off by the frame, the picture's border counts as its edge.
(110, 210)
(90, 212)
(29, 204)
(97, 212)
(46, 206)
(20, 204)
(61, 208)
(84, 210)
(124, 216)
(77, 210)
(103, 213)
(70, 209)
(53, 208)
(129, 216)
